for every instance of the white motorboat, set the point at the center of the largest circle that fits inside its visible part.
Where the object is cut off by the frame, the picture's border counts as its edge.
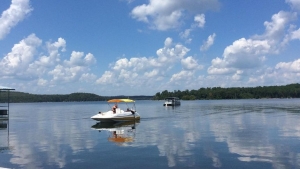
(117, 114)
(172, 101)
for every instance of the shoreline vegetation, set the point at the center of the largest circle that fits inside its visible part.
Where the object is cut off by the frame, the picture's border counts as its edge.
(218, 93)
(21, 97)
(214, 93)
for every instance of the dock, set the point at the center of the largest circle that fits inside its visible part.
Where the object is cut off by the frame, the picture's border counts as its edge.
(4, 102)
(4, 118)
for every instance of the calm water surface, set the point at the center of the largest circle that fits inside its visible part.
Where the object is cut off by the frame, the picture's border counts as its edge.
(197, 134)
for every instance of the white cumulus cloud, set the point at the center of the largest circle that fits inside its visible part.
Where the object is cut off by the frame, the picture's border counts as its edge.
(189, 63)
(242, 54)
(16, 62)
(78, 59)
(295, 4)
(250, 53)
(200, 20)
(295, 34)
(276, 29)
(40, 64)
(17, 11)
(106, 78)
(140, 71)
(73, 69)
(182, 75)
(293, 67)
(209, 42)
(54, 50)
(168, 14)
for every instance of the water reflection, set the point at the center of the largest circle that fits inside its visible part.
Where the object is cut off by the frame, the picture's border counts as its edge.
(4, 135)
(263, 134)
(259, 133)
(197, 134)
(119, 132)
(3, 124)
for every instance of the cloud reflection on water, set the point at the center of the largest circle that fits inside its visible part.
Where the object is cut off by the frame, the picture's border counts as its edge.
(255, 133)
(259, 135)
(196, 134)
(47, 130)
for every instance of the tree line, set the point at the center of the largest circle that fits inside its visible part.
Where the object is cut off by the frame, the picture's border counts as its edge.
(18, 97)
(287, 91)
(21, 97)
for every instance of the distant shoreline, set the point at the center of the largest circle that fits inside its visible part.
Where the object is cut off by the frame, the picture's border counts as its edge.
(21, 97)
(215, 93)
(218, 93)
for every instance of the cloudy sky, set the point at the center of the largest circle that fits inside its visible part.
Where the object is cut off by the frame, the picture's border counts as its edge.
(141, 47)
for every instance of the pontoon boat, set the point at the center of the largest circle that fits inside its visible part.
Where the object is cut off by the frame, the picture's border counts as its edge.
(172, 101)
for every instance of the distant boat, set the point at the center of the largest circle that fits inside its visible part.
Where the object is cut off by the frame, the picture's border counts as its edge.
(116, 114)
(172, 101)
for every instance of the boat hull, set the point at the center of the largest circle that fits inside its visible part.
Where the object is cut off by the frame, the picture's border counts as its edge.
(117, 114)
(176, 103)
(121, 117)
(108, 120)
(171, 104)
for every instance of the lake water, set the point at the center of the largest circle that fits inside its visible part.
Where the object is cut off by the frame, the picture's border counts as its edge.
(198, 134)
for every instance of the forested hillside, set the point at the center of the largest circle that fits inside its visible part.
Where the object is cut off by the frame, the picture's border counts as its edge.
(17, 97)
(288, 91)
(21, 97)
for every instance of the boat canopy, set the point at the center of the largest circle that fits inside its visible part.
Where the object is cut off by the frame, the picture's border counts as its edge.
(120, 100)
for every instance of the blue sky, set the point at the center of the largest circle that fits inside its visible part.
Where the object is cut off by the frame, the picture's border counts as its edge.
(130, 47)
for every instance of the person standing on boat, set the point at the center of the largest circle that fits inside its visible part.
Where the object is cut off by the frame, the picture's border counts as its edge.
(114, 108)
